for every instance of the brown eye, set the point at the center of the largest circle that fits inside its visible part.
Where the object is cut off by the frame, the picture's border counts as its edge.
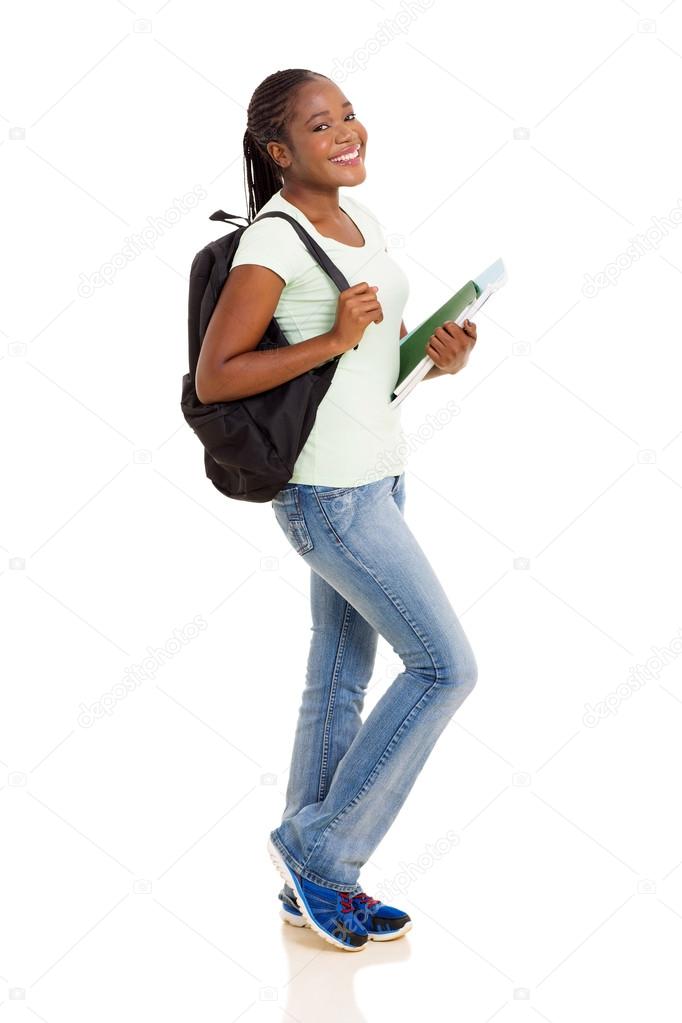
(325, 125)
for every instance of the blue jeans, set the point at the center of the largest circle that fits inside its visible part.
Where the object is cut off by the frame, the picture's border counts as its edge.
(349, 777)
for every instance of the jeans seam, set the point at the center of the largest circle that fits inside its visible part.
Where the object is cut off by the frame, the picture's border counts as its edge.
(375, 770)
(388, 593)
(310, 875)
(435, 684)
(338, 659)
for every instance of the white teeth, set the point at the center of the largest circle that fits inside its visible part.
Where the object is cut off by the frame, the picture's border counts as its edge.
(346, 159)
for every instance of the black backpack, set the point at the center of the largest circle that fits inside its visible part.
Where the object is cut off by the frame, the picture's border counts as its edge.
(250, 444)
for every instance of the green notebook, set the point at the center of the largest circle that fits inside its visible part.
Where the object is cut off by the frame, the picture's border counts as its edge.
(413, 345)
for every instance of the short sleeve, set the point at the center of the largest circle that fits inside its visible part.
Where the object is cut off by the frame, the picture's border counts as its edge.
(273, 243)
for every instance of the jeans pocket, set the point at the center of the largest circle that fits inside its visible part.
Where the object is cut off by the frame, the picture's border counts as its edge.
(287, 508)
(328, 493)
(398, 491)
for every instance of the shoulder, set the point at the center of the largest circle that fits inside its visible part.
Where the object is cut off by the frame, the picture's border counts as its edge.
(268, 234)
(274, 243)
(360, 206)
(269, 227)
(364, 215)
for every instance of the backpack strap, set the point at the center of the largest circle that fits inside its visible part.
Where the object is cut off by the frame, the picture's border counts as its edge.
(228, 217)
(315, 250)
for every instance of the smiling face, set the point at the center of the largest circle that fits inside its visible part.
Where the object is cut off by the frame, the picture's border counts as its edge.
(322, 126)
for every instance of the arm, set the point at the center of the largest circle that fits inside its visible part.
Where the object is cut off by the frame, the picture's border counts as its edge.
(229, 367)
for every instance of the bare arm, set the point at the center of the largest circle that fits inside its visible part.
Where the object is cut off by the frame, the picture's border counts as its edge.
(229, 367)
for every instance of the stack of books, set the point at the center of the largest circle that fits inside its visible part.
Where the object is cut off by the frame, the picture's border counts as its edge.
(463, 305)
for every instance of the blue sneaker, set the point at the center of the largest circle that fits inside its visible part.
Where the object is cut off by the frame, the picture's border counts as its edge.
(324, 910)
(383, 923)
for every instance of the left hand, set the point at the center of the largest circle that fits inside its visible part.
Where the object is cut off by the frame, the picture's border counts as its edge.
(450, 345)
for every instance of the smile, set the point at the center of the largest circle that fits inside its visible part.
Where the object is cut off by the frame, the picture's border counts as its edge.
(352, 158)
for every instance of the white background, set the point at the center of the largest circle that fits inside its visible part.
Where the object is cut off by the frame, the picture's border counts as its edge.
(539, 852)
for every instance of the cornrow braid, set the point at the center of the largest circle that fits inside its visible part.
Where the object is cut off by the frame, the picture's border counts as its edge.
(268, 116)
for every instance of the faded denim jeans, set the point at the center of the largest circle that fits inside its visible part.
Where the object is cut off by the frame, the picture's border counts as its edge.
(369, 576)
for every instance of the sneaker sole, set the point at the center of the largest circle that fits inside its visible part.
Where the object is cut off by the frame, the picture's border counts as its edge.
(299, 921)
(290, 879)
(390, 935)
(295, 921)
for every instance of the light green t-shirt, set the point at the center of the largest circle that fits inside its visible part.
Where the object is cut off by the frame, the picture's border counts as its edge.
(357, 436)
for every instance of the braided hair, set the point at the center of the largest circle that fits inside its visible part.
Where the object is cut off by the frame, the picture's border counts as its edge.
(268, 116)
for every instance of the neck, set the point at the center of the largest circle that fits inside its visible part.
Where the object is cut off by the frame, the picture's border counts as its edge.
(318, 204)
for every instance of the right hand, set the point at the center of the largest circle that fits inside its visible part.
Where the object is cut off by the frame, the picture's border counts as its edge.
(358, 307)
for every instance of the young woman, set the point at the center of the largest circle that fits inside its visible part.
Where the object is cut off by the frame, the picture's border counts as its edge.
(342, 510)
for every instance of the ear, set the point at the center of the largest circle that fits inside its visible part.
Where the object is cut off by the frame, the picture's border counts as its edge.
(278, 153)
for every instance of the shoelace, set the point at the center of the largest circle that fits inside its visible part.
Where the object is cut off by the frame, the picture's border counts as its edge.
(363, 897)
(346, 902)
